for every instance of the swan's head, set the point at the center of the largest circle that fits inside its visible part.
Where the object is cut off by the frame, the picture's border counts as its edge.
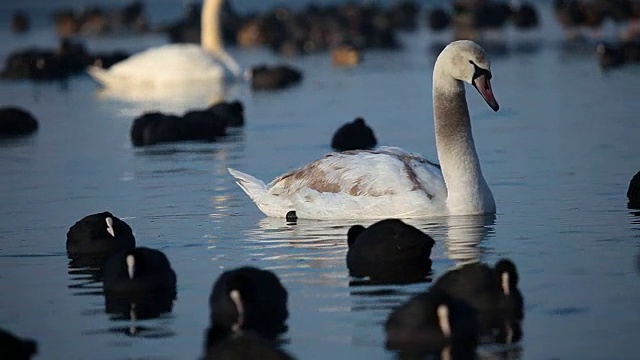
(466, 61)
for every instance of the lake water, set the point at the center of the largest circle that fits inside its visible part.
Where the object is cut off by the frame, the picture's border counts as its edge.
(558, 156)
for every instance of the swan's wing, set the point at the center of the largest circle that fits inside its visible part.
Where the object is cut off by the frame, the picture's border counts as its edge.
(179, 61)
(393, 150)
(385, 171)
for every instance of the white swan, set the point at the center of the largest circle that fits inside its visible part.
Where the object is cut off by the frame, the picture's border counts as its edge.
(175, 64)
(389, 182)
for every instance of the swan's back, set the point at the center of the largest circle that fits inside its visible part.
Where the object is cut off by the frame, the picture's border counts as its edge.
(375, 173)
(366, 184)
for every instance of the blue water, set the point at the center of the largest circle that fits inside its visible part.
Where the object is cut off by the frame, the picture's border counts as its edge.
(558, 156)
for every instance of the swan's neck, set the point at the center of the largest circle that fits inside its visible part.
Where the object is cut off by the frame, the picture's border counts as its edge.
(210, 37)
(467, 190)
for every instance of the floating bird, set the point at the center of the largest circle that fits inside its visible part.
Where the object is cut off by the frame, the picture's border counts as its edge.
(99, 234)
(154, 128)
(615, 55)
(438, 19)
(492, 292)
(433, 322)
(139, 273)
(265, 77)
(175, 64)
(389, 182)
(389, 250)
(356, 135)
(14, 348)
(633, 193)
(247, 298)
(230, 111)
(15, 121)
(20, 22)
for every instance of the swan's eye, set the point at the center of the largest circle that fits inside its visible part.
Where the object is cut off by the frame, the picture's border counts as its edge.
(477, 71)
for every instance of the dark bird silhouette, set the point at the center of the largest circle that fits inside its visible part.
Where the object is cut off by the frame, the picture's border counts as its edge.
(432, 322)
(154, 128)
(20, 22)
(14, 348)
(264, 77)
(70, 58)
(100, 234)
(389, 251)
(138, 273)
(354, 136)
(524, 16)
(196, 125)
(232, 112)
(247, 298)
(15, 121)
(633, 193)
(616, 55)
(492, 292)
(438, 19)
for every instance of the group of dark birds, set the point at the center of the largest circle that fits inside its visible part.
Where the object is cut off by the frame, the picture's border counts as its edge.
(578, 17)
(470, 305)
(467, 306)
(71, 58)
(204, 125)
(467, 17)
(207, 125)
(211, 124)
(345, 30)
(68, 59)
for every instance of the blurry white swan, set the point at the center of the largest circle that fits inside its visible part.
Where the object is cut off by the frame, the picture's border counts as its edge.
(389, 182)
(175, 64)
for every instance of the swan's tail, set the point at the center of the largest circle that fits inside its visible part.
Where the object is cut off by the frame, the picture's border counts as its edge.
(99, 74)
(253, 187)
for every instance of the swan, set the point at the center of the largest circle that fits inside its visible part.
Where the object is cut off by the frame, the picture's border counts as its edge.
(388, 181)
(175, 64)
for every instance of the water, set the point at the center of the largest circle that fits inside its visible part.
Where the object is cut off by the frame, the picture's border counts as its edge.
(558, 156)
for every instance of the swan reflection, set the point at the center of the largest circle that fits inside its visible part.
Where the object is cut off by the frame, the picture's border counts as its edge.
(320, 243)
(464, 235)
(178, 99)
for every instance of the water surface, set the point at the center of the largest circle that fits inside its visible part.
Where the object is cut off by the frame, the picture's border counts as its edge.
(558, 156)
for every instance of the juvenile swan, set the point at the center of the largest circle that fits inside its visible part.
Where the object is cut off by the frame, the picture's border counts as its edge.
(388, 181)
(175, 64)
